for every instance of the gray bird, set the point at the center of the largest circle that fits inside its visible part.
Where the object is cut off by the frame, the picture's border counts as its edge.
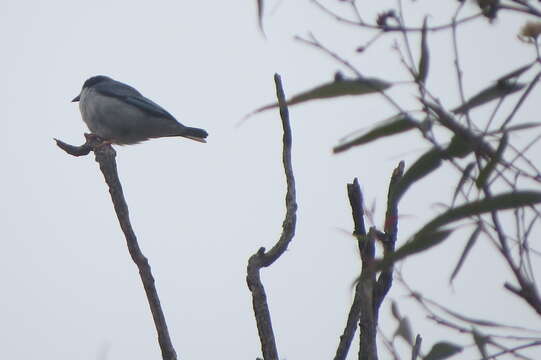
(119, 114)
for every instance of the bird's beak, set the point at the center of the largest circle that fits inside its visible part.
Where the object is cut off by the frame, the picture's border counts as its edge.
(77, 98)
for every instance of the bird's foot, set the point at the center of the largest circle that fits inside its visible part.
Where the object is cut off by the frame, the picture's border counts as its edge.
(93, 142)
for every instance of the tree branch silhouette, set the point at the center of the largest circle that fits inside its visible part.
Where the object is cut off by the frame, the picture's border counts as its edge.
(369, 292)
(264, 258)
(105, 157)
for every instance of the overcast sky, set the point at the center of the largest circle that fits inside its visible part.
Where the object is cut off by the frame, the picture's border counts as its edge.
(70, 289)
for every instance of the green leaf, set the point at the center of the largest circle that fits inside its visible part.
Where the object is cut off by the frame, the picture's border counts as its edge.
(463, 136)
(471, 241)
(404, 330)
(425, 56)
(465, 176)
(458, 147)
(419, 243)
(496, 91)
(443, 350)
(395, 125)
(491, 165)
(260, 15)
(424, 165)
(395, 311)
(431, 234)
(496, 203)
(481, 342)
(339, 87)
(524, 126)
(417, 347)
(516, 73)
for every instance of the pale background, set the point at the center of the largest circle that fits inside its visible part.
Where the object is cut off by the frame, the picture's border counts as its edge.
(69, 288)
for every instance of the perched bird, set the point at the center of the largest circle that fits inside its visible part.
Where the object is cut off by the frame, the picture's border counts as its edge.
(119, 114)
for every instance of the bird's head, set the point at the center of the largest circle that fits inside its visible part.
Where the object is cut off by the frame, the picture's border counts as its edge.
(94, 80)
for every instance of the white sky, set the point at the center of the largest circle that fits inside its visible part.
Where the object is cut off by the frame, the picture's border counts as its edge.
(70, 289)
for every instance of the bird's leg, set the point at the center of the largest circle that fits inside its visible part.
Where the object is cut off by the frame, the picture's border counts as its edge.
(92, 142)
(95, 141)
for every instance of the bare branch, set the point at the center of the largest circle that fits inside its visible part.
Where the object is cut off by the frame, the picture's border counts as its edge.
(521, 100)
(357, 207)
(368, 349)
(105, 156)
(513, 350)
(351, 326)
(85, 149)
(357, 211)
(263, 259)
(369, 294)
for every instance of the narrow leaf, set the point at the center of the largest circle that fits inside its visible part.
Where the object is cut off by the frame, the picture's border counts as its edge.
(459, 147)
(481, 342)
(395, 125)
(339, 87)
(524, 126)
(431, 234)
(425, 56)
(465, 176)
(474, 321)
(442, 350)
(417, 347)
(404, 330)
(471, 241)
(463, 136)
(419, 243)
(427, 163)
(491, 165)
(515, 73)
(260, 15)
(395, 311)
(496, 203)
(496, 91)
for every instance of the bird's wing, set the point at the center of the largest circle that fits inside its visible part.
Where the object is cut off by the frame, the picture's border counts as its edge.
(133, 97)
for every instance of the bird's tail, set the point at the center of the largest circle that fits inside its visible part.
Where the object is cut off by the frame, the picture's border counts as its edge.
(194, 134)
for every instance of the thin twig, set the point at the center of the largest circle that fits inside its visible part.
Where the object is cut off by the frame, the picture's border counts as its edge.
(529, 10)
(391, 28)
(521, 100)
(411, 64)
(312, 41)
(389, 344)
(315, 43)
(263, 259)
(512, 350)
(105, 156)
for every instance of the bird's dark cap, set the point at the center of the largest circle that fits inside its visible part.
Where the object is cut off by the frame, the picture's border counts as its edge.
(95, 80)
(91, 82)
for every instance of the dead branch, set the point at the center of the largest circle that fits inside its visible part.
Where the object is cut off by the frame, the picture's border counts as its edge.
(262, 258)
(105, 157)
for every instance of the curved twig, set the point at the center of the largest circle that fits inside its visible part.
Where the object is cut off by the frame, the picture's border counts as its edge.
(263, 259)
(389, 28)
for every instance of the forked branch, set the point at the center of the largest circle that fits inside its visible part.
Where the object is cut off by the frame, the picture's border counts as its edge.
(369, 292)
(265, 258)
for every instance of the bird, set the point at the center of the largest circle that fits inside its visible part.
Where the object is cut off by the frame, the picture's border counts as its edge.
(121, 115)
